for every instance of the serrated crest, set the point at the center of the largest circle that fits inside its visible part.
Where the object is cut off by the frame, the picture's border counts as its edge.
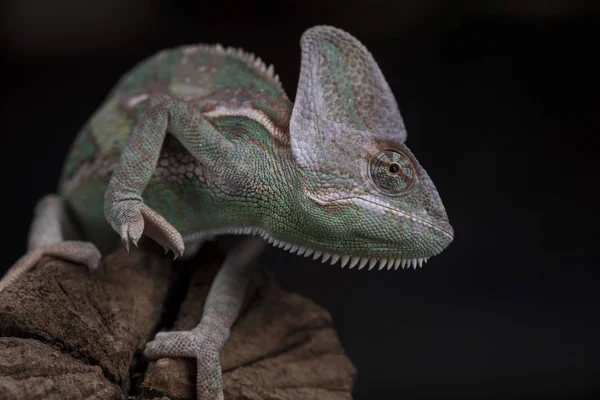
(252, 61)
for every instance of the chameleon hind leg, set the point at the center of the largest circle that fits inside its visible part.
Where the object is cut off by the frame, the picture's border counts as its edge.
(124, 208)
(223, 304)
(50, 234)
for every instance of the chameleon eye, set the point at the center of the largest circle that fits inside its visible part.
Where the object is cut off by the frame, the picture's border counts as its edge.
(392, 172)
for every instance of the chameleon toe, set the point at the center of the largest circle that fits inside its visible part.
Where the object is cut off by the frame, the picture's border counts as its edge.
(173, 344)
(161, 231)
(192, 344)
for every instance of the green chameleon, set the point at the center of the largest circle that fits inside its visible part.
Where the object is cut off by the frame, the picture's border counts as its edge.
(328, 176)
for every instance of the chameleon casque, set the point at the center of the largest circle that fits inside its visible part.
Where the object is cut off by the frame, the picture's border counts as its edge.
(199, 140)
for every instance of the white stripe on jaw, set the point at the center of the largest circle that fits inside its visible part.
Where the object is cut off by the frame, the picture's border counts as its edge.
(376, 205)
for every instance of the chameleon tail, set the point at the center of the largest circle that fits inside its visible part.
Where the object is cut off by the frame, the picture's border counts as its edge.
(49, 229)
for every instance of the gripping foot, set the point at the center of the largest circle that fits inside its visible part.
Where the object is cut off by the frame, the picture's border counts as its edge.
(131, 218)
(202, 343)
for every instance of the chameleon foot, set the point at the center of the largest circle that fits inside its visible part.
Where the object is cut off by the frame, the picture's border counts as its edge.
(77, 252)
(132, 218)
(200, 344)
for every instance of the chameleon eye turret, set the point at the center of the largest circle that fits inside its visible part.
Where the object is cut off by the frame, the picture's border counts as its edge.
(392, 172)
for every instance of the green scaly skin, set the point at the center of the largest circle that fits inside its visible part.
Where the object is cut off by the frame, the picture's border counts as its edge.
(325, 202)
(201, 140)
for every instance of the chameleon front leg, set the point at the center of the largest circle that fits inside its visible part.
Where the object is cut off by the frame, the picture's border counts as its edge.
(223, 304)
(49, 235)
(123, 204)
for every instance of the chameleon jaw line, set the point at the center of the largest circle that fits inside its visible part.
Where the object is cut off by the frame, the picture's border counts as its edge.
(333, 258)
(353, 261)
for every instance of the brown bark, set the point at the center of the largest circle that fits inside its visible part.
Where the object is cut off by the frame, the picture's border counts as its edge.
(66, 333)
(80, 322)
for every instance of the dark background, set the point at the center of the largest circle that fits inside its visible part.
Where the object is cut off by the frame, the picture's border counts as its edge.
(501, 109)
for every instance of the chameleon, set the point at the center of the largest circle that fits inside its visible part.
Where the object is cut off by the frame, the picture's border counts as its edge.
(200, 140)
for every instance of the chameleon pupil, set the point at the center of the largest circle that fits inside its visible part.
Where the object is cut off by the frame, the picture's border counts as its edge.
(394, 168)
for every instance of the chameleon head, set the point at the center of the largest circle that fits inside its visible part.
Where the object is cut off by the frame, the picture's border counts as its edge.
(364, 198)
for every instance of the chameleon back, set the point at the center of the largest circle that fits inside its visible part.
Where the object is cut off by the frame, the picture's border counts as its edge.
(209, 76)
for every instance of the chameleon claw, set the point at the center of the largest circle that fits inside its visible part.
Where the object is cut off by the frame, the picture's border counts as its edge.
(176, 253)
(125, 243)
(125, 237)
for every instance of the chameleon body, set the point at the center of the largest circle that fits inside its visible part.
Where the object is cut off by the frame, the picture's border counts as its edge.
(237, 185)
(200, 140)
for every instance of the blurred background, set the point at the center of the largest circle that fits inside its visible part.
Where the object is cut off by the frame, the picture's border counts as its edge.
(500, 101)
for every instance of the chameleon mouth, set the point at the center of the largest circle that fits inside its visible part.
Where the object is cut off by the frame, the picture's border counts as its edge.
(344, 259)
